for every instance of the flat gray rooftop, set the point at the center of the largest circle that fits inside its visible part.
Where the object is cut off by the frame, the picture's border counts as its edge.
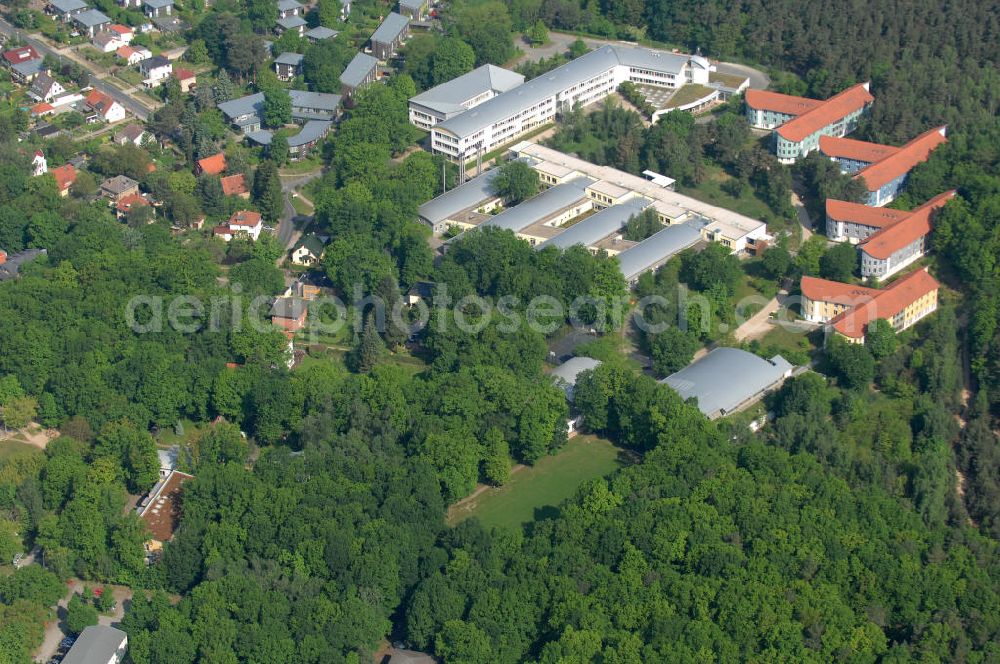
(462, 197)
(539, 207)
(657, 248)
(598, 226)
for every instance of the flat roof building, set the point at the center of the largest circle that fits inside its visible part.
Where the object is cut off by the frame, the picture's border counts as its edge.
(460, 94)
(727, 380)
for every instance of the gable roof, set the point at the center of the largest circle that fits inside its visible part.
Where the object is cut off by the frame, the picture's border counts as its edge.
(358, 69)
(91, 18)
(390, 29)
(104, 38)
(157, 4)
(42, 108)
(43, 84)
(125, 52)
(449, 97)
(65, 176)
(321, 32)
(182, 74)
(100, 102)
(120, 29)
(903, 159)
(886, 304)
(860, 213)
(849, 148)
(126, 203)
(21, 54)
(917, 224)
(96, 643)
(836, 107)
(289, 58)
(824, 290)
(288, 5)
(119, 184)
(130, 132)
(213, 165)
(310, 242)
(248, 105)
(765, 100)
(67, 6)
(233, 185)
(291, 22)
(154, 62)
(288, 307)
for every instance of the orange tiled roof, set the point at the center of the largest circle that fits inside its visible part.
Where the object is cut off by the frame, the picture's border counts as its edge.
(886, 304)
(917, 224)
(42, 108)
(125, 52)
(863, 214)
(213, 165)
(775, 101)
(99, 101)
(120, 29)
(824, 290)
(848, 148)
(244, 218)
(234, 185)
(182, 74)
(903, 159)
(127, 202)
(826, 113)
(65, 176)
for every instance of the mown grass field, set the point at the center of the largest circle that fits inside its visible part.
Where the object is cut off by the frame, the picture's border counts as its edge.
(536, 491)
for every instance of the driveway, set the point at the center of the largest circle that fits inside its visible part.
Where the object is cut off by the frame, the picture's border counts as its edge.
(55, 631)
(287, 233)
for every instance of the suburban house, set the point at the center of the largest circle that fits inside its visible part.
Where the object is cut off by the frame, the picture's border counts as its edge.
(41, 109)
(45, 88)
(588, 79)
(314, 105)
(898, 245)
(10, 266)
(847, 309)
(244, 113)
(289, 313)
(214, 165)
(119, 187)
(798, 122)
(24, 63)
(65, 176)
(293, 22)
(98, 644)
(186, 79)
(288, 65)
(133, 55)
(91, 21)
(132, 133)
(288, 8)
(882, 168)
(320, 33)
(39, 164)
(243, 222)
(308, 250)
(415, 10)
(155, 70)
(460, 94)
(157, 8)
(728, 380)
(359, 72)
(161, 510)
(125, 33)
(64, 10)
(107, 41)
(104, 107)
(390, 35)
(128, 203)
(235, 185)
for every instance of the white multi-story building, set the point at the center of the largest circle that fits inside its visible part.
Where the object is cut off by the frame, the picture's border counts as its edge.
(583, 81)
(461, 94)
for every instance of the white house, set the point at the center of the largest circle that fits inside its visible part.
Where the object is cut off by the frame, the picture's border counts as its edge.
(133, 55)
(243, 222)
(45, 88)
(39, 165)
(155, 70)
(107, 42)
(104, 107)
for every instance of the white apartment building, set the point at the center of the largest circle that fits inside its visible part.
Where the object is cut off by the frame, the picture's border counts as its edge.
(583, 81)
(460, 94)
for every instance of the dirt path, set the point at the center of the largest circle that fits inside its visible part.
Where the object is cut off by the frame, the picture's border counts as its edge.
(462, 504)
(55, 630)
(803, 216)
(33, 434)
(759, 324)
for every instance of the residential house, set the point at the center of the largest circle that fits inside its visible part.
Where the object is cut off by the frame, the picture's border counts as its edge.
(288, 65)
(132, 133)
(320, 33)
(124, 32)
(390, 35)
(243, 222)
(104, 107)
(294, 23)
(244, 113)
(10, 266)
(98, 644)
(415, 10)
(107, 41)
(41, 109)
(155, 70)
(308, 251)
(898, 245)
(300, 144)
(65, 176)
(39, 165)
(91, 21)
(235, 185)
(24, 63)
(798, 123)
(119, 187)
(308, 106)
(288, 8)
(883, 169)
(157, 8)
(65, 10)
(359, 72)
(133, 55)
(289, 313)
(460, 94)
(45, 88)
(186, 79)
(214, 165)
(846, 310)
(128, 203)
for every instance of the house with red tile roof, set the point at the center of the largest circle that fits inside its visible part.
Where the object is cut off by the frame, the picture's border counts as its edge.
(185, 78)
(65, 176)
(104, 107)
(214, 165)
(133, 55)
(128, 203)
(798, 122)
(243, 222)
(235, 185)
(899, 244)
(902, 304)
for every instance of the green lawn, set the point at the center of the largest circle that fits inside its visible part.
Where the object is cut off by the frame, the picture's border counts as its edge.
(710, 191)
(536, 491)
(300, 207)
(13, 448)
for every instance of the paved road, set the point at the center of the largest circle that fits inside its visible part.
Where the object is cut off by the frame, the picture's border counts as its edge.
(141, 111)
(287, 234)
(803, 217)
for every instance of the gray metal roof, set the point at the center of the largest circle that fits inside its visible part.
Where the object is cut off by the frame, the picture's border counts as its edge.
(157, 4)
(412, 4)
(291, 22)
(289, 58)
(321, 32)
(154, 62)
(261, 137)
(67, 6)
(657, 248)
(539, 207)
(91, 18)
(462, 197)
(565, 374)
(251, 104)
(322, 101)
(358, 69)
(449, 97)
(96, 645)
(288, 5)
(311, 131)
(561, 78)
(12, 266)
(390, 29)
(598, 226)
(727, 378)
(28, 67)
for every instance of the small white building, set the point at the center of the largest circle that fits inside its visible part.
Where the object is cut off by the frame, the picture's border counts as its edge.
(39, 165)
(155, 70)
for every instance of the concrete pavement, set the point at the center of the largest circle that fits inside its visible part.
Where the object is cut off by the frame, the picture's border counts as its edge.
(287, 234)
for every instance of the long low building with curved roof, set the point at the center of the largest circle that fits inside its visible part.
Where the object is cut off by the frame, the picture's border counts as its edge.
(728, 380)
(657, 249)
